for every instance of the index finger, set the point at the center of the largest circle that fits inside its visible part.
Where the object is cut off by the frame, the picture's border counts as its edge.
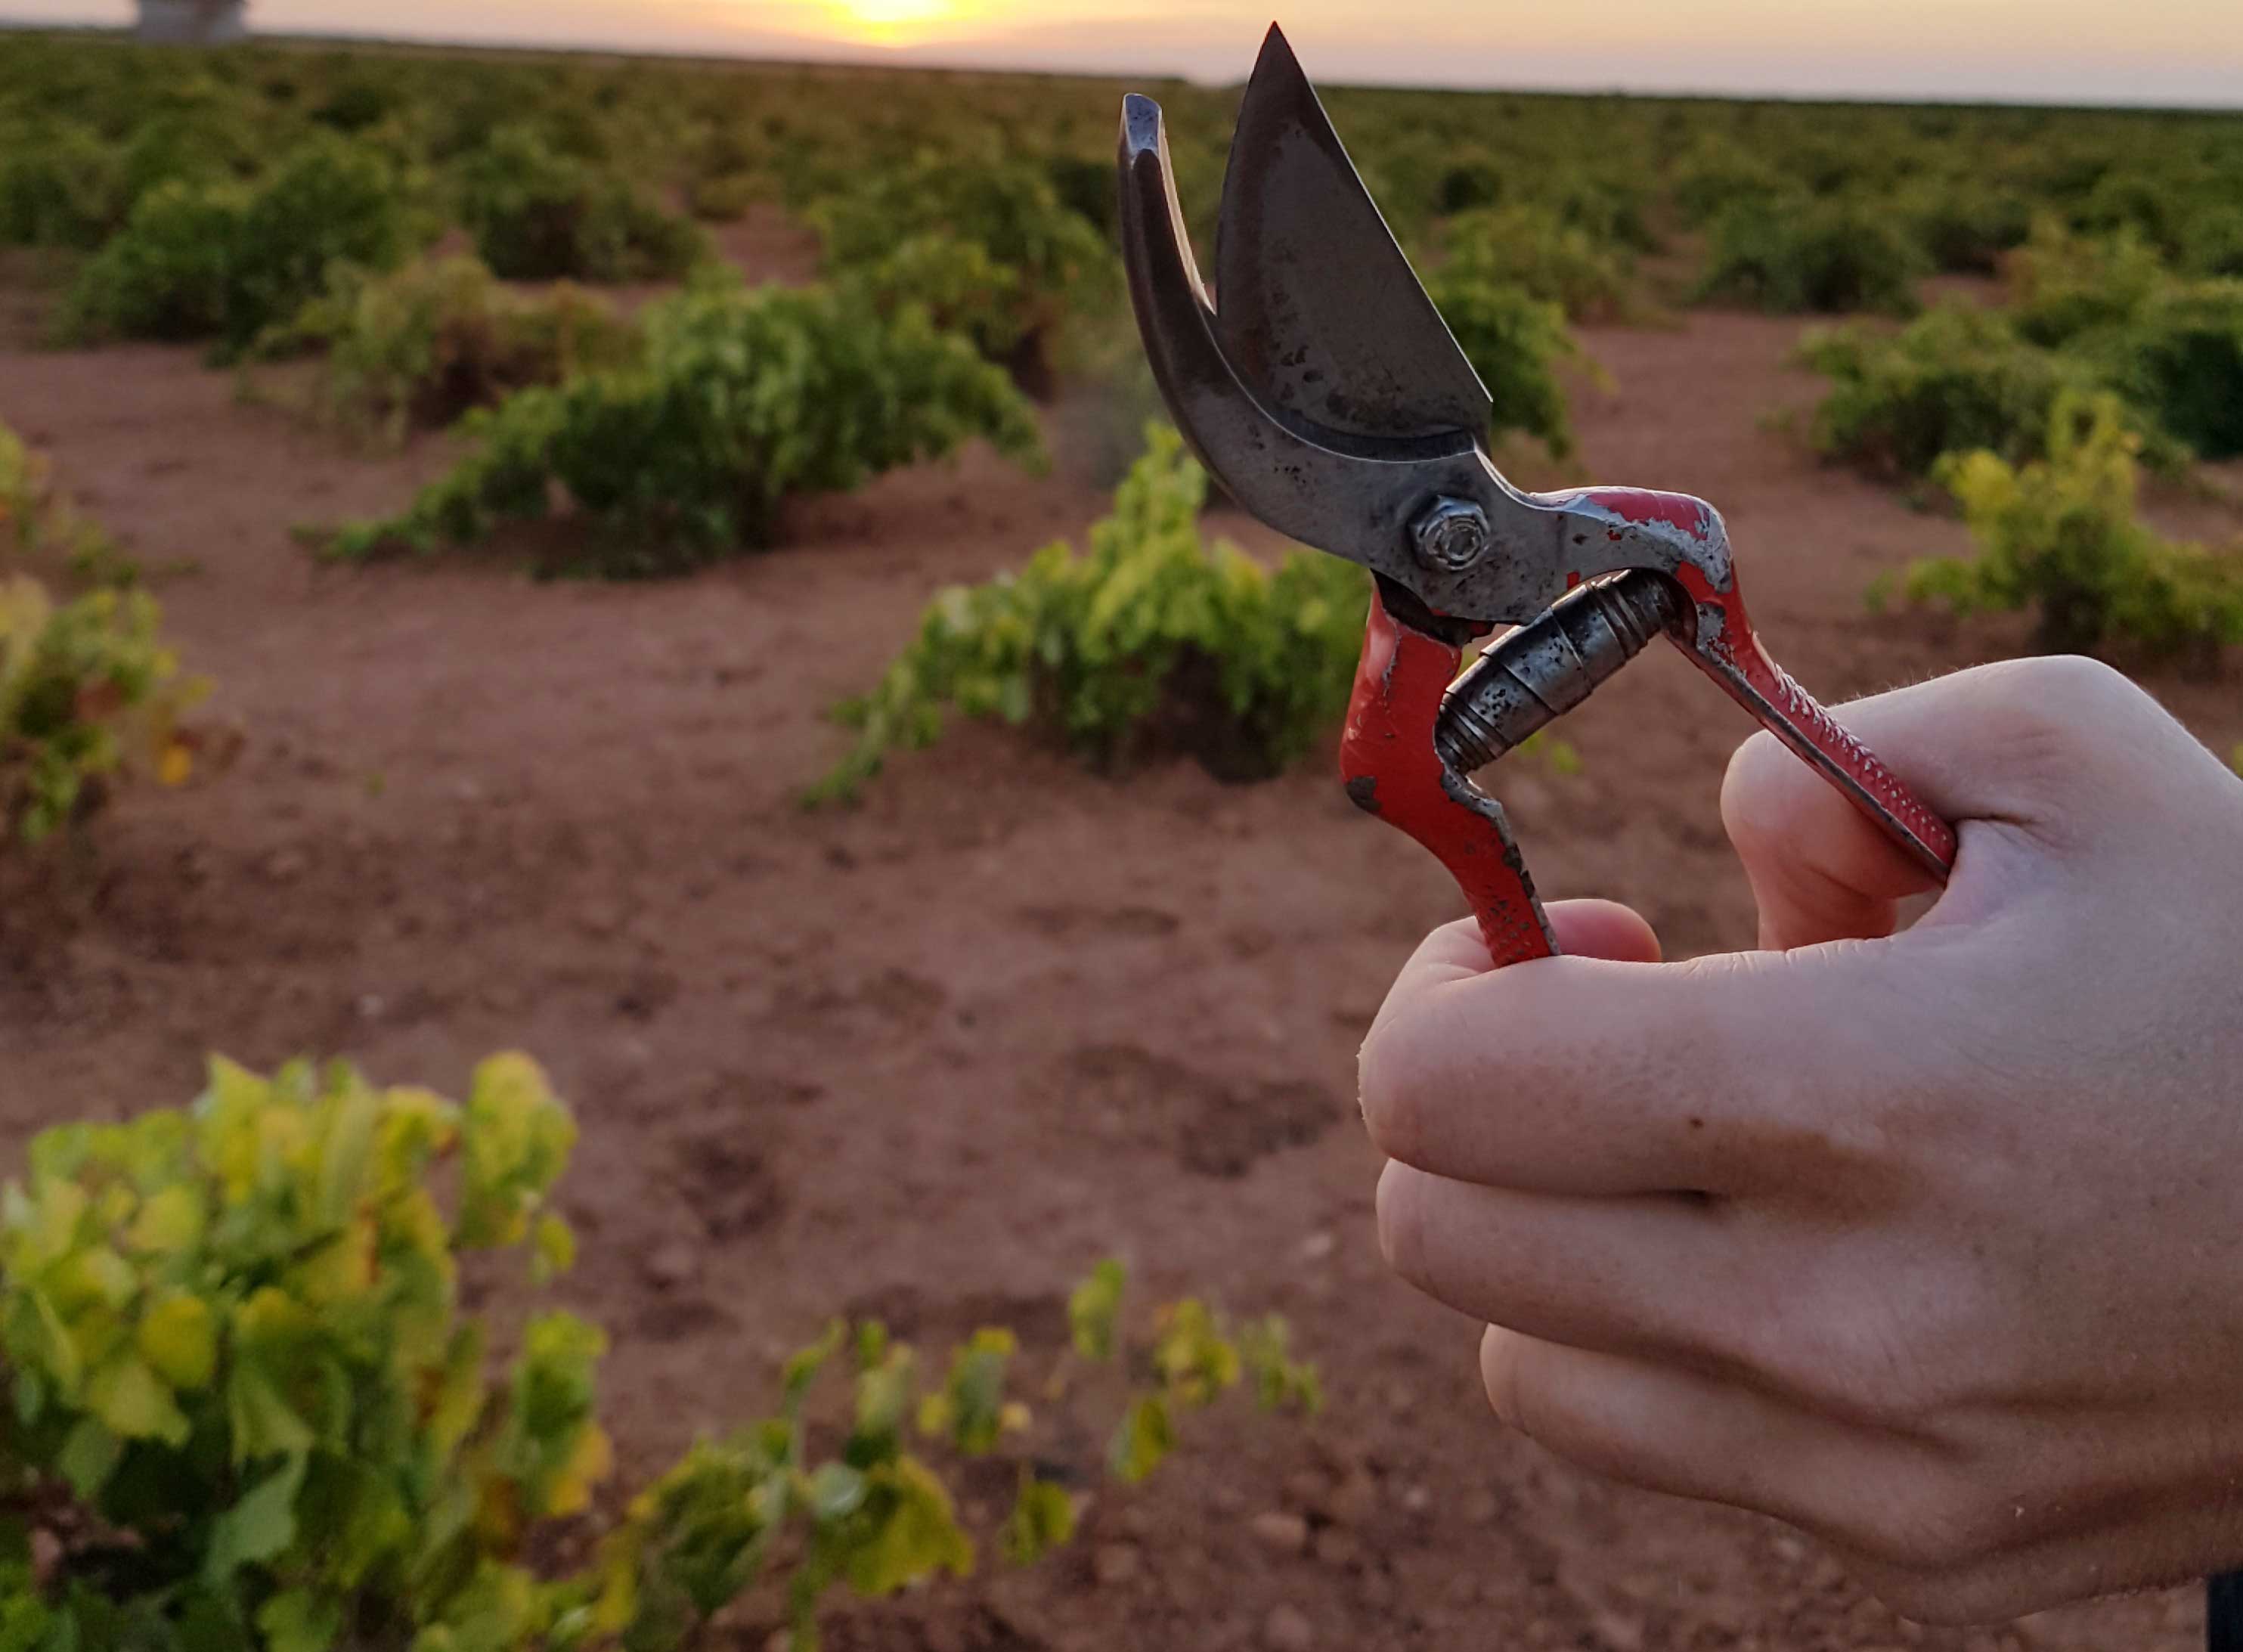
(1594, 1076)
(1584, 929)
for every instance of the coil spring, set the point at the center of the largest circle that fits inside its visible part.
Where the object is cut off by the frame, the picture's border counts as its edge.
(1533, 675)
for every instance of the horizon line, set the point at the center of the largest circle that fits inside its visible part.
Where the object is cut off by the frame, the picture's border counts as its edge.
(906, 60)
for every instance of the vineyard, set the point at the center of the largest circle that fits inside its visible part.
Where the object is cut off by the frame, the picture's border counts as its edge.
(676, 569)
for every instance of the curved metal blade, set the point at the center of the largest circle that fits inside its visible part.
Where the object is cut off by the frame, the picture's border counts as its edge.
(1317, 308)
(1353, 495)
(1364, 494)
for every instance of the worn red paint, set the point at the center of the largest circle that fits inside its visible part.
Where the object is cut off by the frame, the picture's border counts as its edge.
(1733, 657)
(1391, 770)
(1647, 505)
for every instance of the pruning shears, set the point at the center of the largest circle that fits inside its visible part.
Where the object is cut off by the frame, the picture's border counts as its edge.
(1321, 388)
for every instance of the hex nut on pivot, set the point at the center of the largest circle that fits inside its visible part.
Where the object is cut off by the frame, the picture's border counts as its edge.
(1451, 534)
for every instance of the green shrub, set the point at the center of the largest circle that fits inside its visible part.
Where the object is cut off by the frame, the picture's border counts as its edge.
(1514, 340)
(2060, 536)
(1967, 228)
(2064, 285)
(1721, 178)
(1085, 184)
(2173, 347)
(423, 346)
(2134, 202)
(196, 260)
(88, 693)
(1613, 212)
(62, 189)
(2180, 357)
(744, 399)
(723, 199)
(168, 274)
(726, 170)
(1470, 183)
(247, 1411)
(962, 288)
(2215, 242)
(234, 1347)
(991, 243)
(537, 214)
(1955, 379)
(1150, 639)
(1788, 257)
(331, 202)
(877, 1516)
(1529, 247)
(200, 144)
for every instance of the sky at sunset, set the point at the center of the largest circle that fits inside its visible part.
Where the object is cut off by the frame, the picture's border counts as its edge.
(2153, 52)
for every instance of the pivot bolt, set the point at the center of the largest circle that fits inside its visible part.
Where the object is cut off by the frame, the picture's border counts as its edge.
(1451, 534)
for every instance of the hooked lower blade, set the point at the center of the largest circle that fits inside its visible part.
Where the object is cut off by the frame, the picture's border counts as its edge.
(1315, 305)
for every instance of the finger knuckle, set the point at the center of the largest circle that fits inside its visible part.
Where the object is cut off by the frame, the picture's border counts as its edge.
(1752, 766)
(1398, 1214)
(1849, 1361)
(1948, 1596)
(1390, 1090)
(2052, 716)
(2071, 683)
(1940, 1528)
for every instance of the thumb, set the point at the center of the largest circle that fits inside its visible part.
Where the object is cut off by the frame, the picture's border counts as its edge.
(2032, 743)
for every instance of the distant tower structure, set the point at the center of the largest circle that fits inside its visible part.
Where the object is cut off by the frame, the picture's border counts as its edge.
(193, 23)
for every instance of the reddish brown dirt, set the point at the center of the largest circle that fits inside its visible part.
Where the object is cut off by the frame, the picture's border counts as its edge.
(931, 1057)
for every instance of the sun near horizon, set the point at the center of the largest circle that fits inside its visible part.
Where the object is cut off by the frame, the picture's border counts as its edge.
(896, 23)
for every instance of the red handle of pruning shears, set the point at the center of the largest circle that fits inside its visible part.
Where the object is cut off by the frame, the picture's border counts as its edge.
(1393, 770)
(1394, 767)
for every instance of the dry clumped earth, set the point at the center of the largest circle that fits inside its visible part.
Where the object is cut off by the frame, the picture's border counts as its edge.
(929, 1058)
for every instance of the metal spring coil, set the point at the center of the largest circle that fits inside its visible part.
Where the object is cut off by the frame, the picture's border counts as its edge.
(1532, 676)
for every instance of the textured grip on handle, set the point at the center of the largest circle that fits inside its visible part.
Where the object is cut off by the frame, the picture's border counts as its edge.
(1726, 650)
(1392, 771)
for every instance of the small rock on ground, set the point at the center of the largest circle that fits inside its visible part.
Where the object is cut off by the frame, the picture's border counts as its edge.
(1288, 1629)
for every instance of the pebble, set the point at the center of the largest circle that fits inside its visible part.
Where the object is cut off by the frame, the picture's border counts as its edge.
(674, 1264)
(1318, 1246)
(1115, 1563)
(1417, 1500)
(1288, 1629)
(1616, 1632)
(1354, 1500)
(1336, 1548)
(1285, 1532)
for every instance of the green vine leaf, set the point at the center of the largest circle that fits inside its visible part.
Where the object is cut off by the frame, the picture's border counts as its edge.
(1093, 1310)
(1043, 1519)
(1143, 1441)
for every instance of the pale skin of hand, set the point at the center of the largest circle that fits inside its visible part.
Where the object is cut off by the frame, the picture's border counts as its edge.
(1929, 1243)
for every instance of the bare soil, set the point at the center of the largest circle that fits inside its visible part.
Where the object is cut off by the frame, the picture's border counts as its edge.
(931, 1057)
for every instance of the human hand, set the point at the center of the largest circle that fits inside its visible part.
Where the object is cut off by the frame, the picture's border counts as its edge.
(1930, 1244)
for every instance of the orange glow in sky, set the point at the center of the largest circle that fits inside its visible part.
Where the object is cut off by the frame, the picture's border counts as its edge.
(895, 22)
(2141, 51)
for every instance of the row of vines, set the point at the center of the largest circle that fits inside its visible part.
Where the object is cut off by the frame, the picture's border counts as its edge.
(429, 235)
